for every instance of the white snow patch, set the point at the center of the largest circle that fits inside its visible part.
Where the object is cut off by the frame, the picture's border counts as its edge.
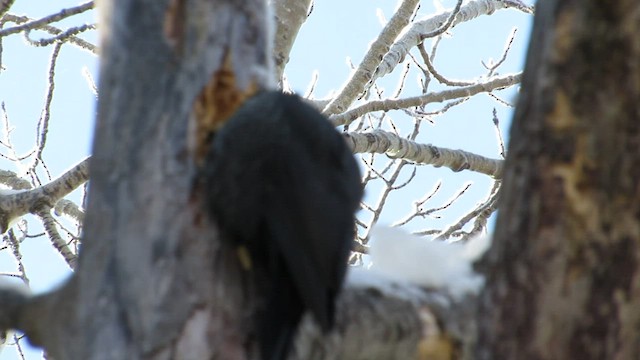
(401, 256)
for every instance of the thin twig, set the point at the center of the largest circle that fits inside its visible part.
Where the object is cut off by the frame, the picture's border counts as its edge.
(43, 123)
(44, 213)
(36, 24)
(62, 37)
(363, 74)
(74, 40)
(457, 93)
(435, 73)
(446, 25)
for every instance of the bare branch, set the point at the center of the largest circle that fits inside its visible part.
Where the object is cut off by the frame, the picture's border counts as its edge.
(290, 15)
(383, 142)
(14, 244)
(20, 203)
(436, 74)
(6, 142)
(69, 208)
(481, 213)
(12, 180)
(62, 37)
(496, 124)
(49, 223)
(43, 124)
(419, 29)
(36, 24)
(377, 209)
(54, 31)
(447, 24)
(363, 74)
(417, 205)
(403, 79)
(493, 66)
(392, 104)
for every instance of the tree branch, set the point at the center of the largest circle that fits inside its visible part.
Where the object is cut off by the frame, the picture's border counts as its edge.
(69, 208)
(383, 142)
(36, 24)
(14, 205)
(393, 104)
(54, 31)
(363, 74)
(290, 15)
(12, 180)
(44, 212)
(420, 29)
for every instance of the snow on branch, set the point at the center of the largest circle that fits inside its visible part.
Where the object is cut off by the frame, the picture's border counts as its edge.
(401, 256)
(496, 83)
(380, 141)
(421, 29)
(414, 286)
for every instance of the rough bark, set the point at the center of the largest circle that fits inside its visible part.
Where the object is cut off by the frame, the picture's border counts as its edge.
(564, 271)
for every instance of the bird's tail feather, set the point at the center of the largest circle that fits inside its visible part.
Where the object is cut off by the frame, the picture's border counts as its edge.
(280, 319)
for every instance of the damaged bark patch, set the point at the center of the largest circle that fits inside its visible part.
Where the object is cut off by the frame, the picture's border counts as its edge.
(217, 101)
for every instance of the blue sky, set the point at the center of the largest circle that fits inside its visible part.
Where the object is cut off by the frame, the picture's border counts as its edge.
(336, 30)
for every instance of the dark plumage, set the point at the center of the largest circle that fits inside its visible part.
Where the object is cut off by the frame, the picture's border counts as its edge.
(282, 183)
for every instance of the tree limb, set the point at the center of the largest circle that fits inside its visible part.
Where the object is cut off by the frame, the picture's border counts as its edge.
(16, 204)
(380, 141)
(419, 29)
(36, 24)
(52, 30)
(393, 104)
(290, 15)
(363, 74)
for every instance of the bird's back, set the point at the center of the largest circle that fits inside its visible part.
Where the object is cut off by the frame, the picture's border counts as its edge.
(285, 185)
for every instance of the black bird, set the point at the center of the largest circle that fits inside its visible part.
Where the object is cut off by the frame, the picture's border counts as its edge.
(282, 184)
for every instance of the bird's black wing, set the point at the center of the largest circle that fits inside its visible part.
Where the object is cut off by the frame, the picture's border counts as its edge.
(283, 183)
(311, 207)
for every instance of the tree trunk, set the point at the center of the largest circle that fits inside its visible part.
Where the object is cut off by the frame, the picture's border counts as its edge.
(152, 281)
(563, 273)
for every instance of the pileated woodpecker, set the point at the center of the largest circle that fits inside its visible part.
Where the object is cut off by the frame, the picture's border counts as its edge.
(282, 186)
